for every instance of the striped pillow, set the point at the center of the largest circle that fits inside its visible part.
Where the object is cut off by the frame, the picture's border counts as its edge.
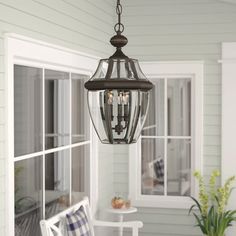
(77, 223)
(159, 170)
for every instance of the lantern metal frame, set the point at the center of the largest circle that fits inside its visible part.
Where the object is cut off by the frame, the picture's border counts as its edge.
(124, 85)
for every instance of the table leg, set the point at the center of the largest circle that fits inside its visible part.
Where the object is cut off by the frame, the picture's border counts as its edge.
(121, 218)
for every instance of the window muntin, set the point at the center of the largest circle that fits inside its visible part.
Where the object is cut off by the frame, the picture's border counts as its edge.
(47, 169)
(166, 139)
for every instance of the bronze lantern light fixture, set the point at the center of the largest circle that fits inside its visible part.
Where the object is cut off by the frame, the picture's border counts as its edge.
(118, 94)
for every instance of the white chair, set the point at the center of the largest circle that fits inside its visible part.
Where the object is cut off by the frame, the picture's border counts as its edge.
(54, 225)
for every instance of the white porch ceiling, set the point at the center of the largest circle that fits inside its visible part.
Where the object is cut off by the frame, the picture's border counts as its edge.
(228, 1)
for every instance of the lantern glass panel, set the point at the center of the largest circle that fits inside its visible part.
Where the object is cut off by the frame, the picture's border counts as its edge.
(118, 115)
(114, 68)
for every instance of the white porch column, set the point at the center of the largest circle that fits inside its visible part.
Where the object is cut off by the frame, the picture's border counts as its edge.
(228, 164)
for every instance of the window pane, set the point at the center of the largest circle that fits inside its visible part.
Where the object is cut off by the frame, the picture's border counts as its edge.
(154, 124)
(80, 172)
(28, 196)
(56, 109)
(179, 107)
(57, 182)
(178, 167)
(152, 166)
(28, 119)
(80, 118)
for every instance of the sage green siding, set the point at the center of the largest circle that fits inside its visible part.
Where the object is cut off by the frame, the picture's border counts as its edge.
(83, 25)
(179, 30)
(157, 30)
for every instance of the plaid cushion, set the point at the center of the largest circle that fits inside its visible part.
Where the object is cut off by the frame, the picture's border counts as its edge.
(159, 169)
(77, 223)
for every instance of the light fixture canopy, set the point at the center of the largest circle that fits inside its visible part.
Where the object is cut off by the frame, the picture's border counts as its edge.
(118, 94)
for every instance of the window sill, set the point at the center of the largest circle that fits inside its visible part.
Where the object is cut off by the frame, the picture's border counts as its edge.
(172, 202)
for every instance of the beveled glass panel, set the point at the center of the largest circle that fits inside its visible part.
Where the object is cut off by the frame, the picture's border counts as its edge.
(154, 124)
(118, 115)
(179, 167)
(114, 68)
(28, 196)
(80, 172)
(57, 182)
(179, 107)
(152, 166)
(57, 95)
(28, 120)
(80, 118)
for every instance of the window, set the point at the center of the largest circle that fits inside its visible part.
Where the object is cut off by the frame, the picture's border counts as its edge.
(49, 170)
(169, 149)
(49, 133)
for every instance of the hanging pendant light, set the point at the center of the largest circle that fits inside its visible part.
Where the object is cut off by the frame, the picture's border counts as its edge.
(118, 94)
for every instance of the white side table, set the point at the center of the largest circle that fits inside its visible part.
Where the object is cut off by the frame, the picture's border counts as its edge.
(121, 212)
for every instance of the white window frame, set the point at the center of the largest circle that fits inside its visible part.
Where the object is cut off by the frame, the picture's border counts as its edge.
(29, 52)
(228, 160)
(171, 69)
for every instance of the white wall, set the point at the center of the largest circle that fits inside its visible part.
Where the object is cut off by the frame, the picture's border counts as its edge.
(83, 25)
(179, 30)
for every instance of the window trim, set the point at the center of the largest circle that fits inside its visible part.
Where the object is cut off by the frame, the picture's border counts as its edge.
(26, 51)
(194, 70)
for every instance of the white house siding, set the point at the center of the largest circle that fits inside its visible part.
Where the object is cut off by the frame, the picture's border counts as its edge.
(83, 25)
(179, 30)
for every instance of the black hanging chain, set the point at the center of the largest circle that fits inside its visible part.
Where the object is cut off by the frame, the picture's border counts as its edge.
(119, 40)
(119, 27)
